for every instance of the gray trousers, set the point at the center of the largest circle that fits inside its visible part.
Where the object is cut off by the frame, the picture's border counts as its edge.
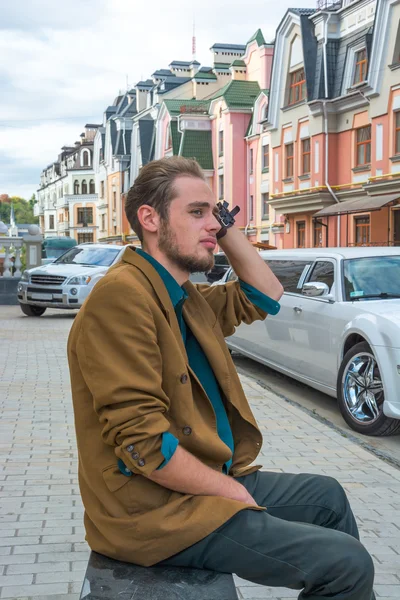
(306, 540)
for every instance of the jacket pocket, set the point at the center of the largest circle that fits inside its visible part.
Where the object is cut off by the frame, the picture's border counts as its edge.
(137, 494)
(114, 479)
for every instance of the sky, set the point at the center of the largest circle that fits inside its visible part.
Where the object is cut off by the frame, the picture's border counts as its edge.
(62, 64)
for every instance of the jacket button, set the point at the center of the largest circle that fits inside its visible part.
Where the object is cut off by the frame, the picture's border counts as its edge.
(141, 462)
(187, 430)
(184, 378)
(130, 448)
(135, 455)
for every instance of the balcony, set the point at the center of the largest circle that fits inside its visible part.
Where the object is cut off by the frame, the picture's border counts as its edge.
(38, 210)
(80, 198)
(62, 226)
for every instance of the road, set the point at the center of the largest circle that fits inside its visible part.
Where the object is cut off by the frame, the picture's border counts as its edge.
(318, 404)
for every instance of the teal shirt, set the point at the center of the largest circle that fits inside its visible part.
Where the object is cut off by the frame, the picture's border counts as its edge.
(198, 360)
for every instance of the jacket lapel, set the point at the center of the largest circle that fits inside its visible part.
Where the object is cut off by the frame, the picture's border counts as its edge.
(160, 290)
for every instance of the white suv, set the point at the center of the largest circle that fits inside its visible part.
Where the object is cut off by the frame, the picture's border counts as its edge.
(66, 282)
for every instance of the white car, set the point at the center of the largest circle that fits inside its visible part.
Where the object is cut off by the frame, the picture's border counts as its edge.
(338, 329)
(66, 282)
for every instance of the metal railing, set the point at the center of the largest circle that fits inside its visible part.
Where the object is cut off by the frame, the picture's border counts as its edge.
(329, 4)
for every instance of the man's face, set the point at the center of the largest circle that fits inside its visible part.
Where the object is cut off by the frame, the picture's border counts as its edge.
(188, 238)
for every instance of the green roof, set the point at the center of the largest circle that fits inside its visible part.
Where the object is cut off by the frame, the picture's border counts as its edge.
(257, 37)
(176, 137)
(203, 75)
(239, 94)
(221, 66)
(177, 107)
(198, 145)
(238, 63)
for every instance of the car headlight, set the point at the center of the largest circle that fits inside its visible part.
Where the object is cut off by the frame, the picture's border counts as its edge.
(25, 276)
(79, 280)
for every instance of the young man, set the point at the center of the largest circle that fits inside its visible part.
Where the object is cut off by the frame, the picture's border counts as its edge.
(165, 435)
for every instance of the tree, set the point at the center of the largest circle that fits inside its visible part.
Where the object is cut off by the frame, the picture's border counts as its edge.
(23, 210)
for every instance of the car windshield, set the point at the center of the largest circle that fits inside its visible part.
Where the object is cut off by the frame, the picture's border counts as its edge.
(89, 256)
(372, 278)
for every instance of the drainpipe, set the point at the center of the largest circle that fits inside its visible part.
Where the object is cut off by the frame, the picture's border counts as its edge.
(326, 127)
(247, 186)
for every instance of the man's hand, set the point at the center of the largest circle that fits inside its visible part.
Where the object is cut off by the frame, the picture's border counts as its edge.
(186, 474)
(248, 264)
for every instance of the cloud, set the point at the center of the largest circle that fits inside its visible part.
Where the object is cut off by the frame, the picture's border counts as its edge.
(61, 66)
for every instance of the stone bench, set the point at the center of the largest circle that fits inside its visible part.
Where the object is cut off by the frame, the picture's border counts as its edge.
(108, 579)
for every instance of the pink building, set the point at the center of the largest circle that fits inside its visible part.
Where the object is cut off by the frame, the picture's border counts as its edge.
(224, 132)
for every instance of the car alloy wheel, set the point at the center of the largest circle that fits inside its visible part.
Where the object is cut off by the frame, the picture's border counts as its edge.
(363, 388)
(360, 393)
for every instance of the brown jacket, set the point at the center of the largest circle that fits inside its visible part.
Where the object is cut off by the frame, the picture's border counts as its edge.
(131, 382)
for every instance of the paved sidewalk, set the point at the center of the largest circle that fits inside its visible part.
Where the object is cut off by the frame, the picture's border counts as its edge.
(42, 549)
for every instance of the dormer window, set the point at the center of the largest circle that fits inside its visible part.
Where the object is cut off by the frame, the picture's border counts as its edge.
(361, 64)
(297, 89)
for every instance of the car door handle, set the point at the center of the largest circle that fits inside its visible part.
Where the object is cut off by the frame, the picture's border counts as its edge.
(297, 309)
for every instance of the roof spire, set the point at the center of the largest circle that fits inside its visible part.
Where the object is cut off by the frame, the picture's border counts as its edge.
(194, 39)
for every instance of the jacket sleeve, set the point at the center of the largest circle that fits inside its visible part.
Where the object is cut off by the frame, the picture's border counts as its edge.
(231, 306)
(122, 366)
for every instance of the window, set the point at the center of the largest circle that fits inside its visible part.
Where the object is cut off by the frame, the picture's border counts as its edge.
(85, 215)
(102, 189)
(251, 208)
(265, 158)
(306, 156)
(221, 143)
(114, 200)
(91, 187)
(289, 149)
(397, 134)
(76, 187)
(251, 160)
(362, 227)
(221, 186)
(297, 90)
(51, 222)
(363, 146)
(360, 73)
(291, 273)
(301, 234)
(84, 238)
(323, 272)
(265, 206)
(85, 157)
(103, 222)
(317, 241)
(84, 187)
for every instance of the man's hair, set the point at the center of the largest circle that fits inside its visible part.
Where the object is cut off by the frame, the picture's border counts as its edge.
(154, 186)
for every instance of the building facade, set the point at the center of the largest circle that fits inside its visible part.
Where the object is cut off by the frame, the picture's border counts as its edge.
(67, 196)
(334, 125)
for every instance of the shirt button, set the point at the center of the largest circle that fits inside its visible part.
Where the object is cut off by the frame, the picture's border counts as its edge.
(184, 378)
(130, 448)
(141, 462)
(135, 455)
(187, 430)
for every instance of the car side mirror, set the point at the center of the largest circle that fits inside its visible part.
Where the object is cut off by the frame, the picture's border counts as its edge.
(315, 289)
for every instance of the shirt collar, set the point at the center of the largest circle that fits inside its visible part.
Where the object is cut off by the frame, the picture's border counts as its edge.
(175, 291)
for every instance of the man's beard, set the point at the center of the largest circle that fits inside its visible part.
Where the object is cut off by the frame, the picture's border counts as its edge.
(168, 245)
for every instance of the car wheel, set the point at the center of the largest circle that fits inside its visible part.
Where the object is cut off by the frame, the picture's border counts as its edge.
(360, 393)
(32, 311)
